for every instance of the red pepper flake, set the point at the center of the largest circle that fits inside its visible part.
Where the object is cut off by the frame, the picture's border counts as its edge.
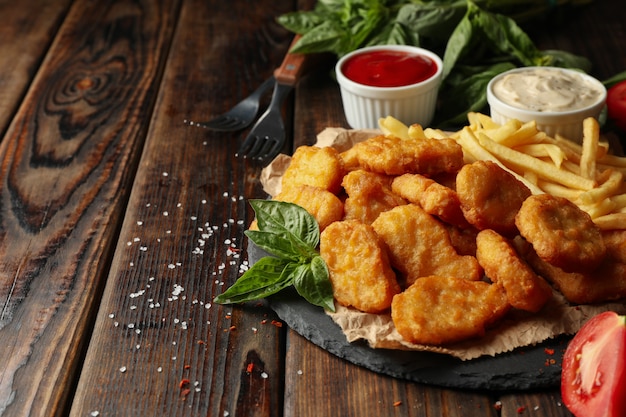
(264, 321)
(231, 328)
(498, 405)
(277, 323)
(187, 366)
(521, 409)
(549, 351)
(250, 367)
(184, 383)
(397, 404)
(228, 316)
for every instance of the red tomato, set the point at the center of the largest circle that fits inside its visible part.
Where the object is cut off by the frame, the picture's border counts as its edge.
(616, 104)
(593, 381)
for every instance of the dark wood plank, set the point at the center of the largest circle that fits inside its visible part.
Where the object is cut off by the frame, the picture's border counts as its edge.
(544, 404)
(68, 161)
(320, 384)
(160, 347)
(24, 40)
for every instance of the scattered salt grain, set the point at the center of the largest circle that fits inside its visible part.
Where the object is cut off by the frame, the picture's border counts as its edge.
(123, 369)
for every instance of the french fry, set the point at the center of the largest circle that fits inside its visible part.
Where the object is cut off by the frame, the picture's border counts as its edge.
(543, 150)
(605, 190)
(611, 221)
(415, 131)
(471, 144)
(391, 126)
(599, 209)
(591, 137)
(559, 190)
(541, 168)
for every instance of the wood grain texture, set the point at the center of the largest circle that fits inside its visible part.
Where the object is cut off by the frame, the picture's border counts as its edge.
(67, 164)
(160, 345)
(24, 43)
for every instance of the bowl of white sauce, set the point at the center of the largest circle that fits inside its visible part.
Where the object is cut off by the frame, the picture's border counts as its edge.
(557, 99)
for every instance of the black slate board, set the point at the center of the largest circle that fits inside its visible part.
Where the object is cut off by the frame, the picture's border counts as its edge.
(527, 368)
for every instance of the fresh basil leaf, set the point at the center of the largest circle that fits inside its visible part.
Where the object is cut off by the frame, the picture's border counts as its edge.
(432, 22)
(460, 42)
(276, 244)
(287, 219)
(328, 36)
(505, 36)
(266, 277)
(469, 87)
(566, 59)
(313, 284)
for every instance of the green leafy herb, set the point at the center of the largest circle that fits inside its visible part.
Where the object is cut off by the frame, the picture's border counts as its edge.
(291, 235)
(477, 39)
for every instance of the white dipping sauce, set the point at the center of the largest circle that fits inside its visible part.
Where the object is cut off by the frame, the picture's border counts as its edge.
(546, 90)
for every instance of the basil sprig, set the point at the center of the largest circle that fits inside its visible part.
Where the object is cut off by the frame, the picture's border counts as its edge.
(291, 235)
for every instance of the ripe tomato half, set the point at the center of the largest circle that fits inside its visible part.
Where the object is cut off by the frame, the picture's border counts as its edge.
(616, 104)
(593, 381)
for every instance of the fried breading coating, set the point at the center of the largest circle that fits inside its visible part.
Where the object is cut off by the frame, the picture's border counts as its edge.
(325, 206)
(419, 245)
(561, 233)
(359, 267)
(369, 194)
(441, 310)
(463, 239)
(394, 156)
(490, 196)
(606, 283)
(524, 289)
(312, 165)
(615, 242)
(434, 198)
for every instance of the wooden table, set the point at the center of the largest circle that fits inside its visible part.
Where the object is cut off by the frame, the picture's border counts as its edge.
(119, 221)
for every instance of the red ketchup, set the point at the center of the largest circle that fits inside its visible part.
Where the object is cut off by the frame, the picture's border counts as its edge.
(388, 68)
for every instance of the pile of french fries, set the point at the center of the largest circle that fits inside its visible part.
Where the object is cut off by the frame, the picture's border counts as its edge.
(587, 174)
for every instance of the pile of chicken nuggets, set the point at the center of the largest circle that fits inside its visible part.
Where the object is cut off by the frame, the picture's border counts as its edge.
(447, 246)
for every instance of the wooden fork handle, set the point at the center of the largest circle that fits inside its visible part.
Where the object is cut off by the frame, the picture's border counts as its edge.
(292, 67)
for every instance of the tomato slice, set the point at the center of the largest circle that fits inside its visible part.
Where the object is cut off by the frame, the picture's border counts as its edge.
(594, 378)
(616, 104)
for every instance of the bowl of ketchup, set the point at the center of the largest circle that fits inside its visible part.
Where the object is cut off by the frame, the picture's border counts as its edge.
(389, 80)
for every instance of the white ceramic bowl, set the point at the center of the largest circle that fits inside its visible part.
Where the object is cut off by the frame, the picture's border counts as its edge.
(364, 105)
(565, 122)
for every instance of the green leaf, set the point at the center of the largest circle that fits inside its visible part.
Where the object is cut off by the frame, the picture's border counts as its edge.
(266, 277)
(291, 234)
(288, 220)
(313, 284)
(469, 86)
(276, 244)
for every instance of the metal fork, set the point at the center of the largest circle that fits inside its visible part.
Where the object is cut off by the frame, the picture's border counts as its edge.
(267, 136)
(243, 114)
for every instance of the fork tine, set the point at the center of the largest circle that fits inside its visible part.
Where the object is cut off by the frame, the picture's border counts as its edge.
(242, 114)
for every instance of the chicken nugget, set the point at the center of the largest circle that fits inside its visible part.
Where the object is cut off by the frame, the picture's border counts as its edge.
(319, 167)
(463, 239)
(419, 245)
(325, 206)
(605, 283)
(394, 156)
(359, 267)
(490, 196)
(442, 310)
(524, 289)
(561, 233)
(615, 242)
(434, 198)
(369, 194)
